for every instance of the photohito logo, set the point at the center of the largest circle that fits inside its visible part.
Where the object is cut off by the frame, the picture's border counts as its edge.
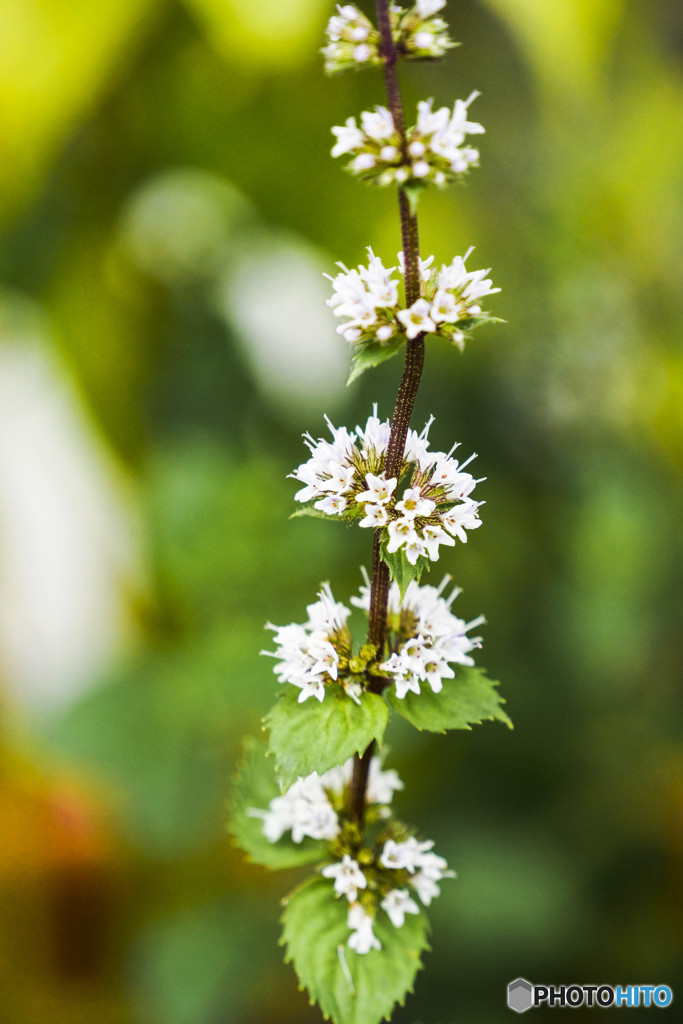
(522, 995)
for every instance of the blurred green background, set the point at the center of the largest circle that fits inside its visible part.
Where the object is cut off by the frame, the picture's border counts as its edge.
(168, 206)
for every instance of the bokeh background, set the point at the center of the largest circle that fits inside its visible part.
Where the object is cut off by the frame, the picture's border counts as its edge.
(168, 207)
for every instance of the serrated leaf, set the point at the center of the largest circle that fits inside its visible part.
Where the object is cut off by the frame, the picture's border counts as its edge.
(402, 572)
(373, 354)
(315, 513)
(317, 735)
(315, 934)
(255, 787)
(466, 700)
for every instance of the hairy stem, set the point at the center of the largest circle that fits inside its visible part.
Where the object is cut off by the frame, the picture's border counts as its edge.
(405, 400)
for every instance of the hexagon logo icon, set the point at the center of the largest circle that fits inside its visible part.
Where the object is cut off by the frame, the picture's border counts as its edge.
(520, 995)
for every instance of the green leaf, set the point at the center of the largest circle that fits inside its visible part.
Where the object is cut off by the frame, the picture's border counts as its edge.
(367, 987)
(401, 570)
(471, 323)
(466, 700)
(255, 787)
(317, 735)
(372, 354)
(315, 513)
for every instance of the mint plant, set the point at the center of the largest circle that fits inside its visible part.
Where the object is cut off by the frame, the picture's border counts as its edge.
(356, 928)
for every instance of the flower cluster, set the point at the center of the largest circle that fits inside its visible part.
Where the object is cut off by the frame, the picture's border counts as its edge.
(367, 298)
(418, 34)
(434, 150)
(345, 477)
(310, 655)
(354, 42)
(425, 868)
(309, 807)
(385, 877)
(424, 636)
(386, 882)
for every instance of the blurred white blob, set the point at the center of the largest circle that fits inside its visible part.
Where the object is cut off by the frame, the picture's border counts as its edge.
(189, 228)
(66, 533)
(180, 226)
(275, 299)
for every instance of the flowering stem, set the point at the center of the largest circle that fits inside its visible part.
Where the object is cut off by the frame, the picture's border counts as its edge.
(405, 400)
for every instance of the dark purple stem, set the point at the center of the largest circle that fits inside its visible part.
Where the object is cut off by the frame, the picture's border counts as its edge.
(403, 410)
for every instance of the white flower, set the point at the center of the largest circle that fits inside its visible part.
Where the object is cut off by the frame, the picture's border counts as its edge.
(461, 518)
(308, 654)
(363, 162)
(377, 124)
(348, 877)
(380, 283)
(374, 436)
(426, 888)
(375, 516)
(429, 121)
(404, 855)
(310, 686)
(349, 137)
(468, 286)
(401, 667)
(367, 296)
(426, 8)
(416, 318)
(277, 819)
(431, 869)
(444, 307)
(414, 549)
(425, 868)
(401, 534)
(431, 864)
(433, 537)
(437, 141)
(437, 638)
(397, 904)
(326, 614)
(392, 855)
(304, 810)
(449, 477)
(362, 938)
(332, 505)
(340, 477)
(379, 489)
(381, 784)
(423, 40)
(413, 504)
(459, 123)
